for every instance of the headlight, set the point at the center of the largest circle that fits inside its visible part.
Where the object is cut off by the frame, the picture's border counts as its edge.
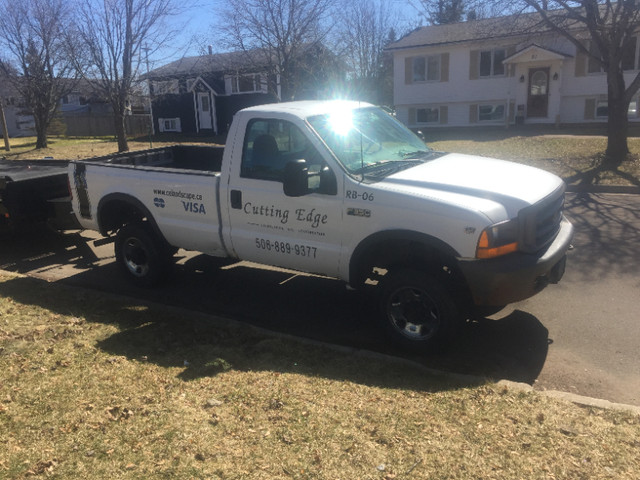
(498, 239)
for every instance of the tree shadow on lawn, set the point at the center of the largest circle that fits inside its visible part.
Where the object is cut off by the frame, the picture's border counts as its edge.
(628, 171)
(514, 347)
(607, 234)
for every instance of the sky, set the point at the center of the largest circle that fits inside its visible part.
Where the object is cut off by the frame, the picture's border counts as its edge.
(198, 21)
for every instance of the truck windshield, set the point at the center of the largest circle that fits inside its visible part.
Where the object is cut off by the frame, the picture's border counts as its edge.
(369, 141)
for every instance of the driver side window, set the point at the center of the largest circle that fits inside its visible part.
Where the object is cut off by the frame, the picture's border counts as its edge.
(269, 145)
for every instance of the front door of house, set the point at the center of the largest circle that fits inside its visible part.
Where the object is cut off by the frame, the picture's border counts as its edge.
(538, 98)
(204, 111)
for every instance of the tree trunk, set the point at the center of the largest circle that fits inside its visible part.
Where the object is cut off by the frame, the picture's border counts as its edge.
(618, 123)
(121, 133)
(41, 132)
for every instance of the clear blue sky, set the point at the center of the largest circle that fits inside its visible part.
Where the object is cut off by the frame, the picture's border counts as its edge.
(198, 21)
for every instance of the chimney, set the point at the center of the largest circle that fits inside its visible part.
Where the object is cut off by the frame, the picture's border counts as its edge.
(210, 49)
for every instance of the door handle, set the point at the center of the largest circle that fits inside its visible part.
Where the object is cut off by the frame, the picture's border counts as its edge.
(236, 199)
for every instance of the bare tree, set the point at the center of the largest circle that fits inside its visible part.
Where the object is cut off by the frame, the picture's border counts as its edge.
(606, 32)
(275, 35)
(439, 12)
(38, 65)
(113, 34)
(365, 28)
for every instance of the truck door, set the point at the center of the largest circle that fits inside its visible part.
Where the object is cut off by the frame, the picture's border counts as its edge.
(302, 233)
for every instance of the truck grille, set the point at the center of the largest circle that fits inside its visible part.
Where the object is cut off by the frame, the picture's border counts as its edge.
(540, 222)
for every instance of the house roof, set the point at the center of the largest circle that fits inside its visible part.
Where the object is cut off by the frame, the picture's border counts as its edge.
(203, 64)
(485, 29)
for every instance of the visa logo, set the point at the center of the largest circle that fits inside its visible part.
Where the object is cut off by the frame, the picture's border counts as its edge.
(194, 207)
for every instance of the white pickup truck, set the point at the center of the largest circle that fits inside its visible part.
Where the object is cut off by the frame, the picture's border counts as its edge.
(340, 189)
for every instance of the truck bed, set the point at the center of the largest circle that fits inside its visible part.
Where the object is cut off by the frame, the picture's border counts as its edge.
(206, 158)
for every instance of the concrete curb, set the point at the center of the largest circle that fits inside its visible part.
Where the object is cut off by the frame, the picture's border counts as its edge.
(460, 378)
(619, 189)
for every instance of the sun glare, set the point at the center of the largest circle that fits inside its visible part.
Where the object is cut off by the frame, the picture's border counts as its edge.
(341, 121)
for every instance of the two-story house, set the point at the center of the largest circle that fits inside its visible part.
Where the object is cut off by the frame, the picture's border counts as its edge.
(199, 95)
(496, 71)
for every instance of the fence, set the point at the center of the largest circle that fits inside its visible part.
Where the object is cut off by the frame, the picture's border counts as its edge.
(102, 125)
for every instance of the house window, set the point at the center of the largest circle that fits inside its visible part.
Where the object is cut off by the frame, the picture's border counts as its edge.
(491, 62)
(629, 57)
(247, 84)
(632, 111)
(426, 69)
(166, 87)
(491, 112)
(428, 115)
(602, 108)
(169, 124)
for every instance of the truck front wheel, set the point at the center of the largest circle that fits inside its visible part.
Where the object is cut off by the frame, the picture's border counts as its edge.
(417, 311)
(140, 254)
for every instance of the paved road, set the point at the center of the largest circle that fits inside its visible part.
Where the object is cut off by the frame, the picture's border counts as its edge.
(580, 336)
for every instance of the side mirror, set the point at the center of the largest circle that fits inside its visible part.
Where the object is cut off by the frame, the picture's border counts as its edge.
(295, 180)
(328, 182)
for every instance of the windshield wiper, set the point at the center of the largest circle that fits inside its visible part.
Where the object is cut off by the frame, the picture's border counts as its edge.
(385, 168)
(372, 166)
(417, 153)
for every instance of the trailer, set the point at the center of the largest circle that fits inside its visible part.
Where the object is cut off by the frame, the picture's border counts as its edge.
(35, 192)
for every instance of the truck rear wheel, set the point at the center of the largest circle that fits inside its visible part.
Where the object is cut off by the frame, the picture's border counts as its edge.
(417, 311)
(141, 255)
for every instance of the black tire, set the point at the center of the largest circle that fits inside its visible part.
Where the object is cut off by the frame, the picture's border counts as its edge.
(418, 312)
(141, 255)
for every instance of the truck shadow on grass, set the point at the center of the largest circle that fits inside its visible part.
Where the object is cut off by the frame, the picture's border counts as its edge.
(298, 306)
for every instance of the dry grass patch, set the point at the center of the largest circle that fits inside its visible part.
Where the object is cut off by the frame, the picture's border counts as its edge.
(78, 148)
(576, 159)
(98, 387)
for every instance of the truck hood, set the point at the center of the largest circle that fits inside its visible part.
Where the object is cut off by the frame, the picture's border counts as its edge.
(495, 187)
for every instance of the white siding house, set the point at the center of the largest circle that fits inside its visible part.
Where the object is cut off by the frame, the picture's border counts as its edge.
(497, 72)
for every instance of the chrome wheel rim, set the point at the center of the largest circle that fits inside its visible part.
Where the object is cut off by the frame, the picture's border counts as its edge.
(135, 257)
(413, 313)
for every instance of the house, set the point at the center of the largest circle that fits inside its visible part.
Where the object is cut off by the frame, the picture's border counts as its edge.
(500, 71)
(200, 95)
(20, 121)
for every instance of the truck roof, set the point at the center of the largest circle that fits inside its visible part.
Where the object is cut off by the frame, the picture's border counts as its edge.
(308, 108)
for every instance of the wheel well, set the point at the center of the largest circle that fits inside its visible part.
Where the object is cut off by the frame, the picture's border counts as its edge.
(373, 258)
(117, 210)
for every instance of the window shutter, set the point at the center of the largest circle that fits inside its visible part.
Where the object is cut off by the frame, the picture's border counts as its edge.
(590, 109)
(581, 64)
(473, 64)
(444, 115)
(512, 111)
(412, 116)
(408, 71)
(511, 67)
(473, 113)
(444, 67)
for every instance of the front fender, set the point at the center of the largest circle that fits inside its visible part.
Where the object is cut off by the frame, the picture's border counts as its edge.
(364, 253)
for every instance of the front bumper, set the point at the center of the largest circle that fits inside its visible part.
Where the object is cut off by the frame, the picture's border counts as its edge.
(517, 276)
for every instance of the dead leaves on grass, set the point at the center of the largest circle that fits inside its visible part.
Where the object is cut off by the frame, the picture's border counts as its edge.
(118, 413)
